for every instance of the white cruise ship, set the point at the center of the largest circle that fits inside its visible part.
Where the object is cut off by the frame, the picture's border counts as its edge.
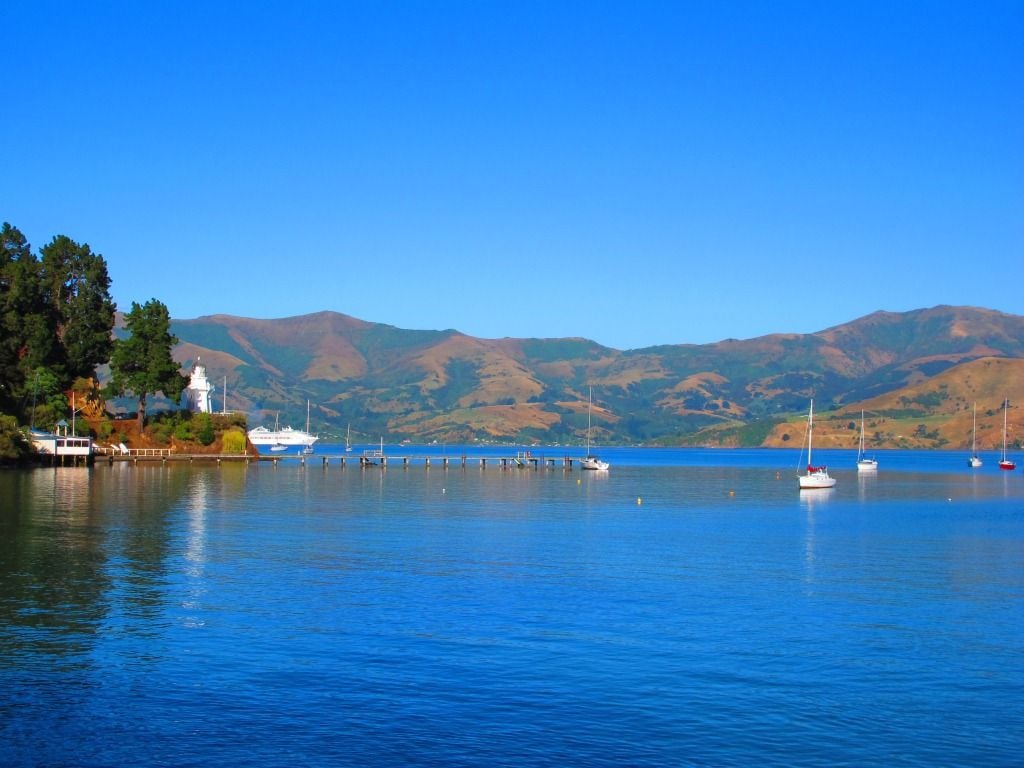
(281, 439)
(284, 436)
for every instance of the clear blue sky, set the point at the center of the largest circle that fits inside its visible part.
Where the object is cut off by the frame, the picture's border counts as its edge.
(634, 173)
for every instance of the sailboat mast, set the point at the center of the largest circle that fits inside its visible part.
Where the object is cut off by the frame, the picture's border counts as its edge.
(1005, 408)
(810, 434)
(590, 400)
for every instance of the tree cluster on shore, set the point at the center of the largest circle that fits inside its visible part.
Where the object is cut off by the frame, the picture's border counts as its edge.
(56, 328)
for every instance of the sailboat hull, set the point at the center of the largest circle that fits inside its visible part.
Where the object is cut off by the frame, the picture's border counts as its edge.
(813, 480)
(867, 465)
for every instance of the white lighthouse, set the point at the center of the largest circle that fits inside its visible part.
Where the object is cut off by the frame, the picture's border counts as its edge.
(199, 390)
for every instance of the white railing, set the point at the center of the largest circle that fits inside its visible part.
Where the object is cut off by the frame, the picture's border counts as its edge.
(121, 450)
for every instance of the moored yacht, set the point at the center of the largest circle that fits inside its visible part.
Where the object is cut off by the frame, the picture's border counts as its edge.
(974, 461)
(864, 463)
(590, 461)
(814, 477)
(1005, 463)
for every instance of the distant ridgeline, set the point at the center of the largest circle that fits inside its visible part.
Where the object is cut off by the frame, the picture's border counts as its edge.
(915, 374)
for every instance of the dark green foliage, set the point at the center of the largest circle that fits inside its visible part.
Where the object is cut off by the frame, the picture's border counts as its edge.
(203, 427)
(14, 446)
(46, 401)
(14, 251)
(56, 315)
(187, 427)
(142, 363)
(75, 284)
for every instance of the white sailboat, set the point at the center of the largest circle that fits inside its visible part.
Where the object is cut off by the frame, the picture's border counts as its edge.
(815, 477)
(974, 462)
(1005, 463)
(348, 439)
(589, 461)
(277, 446)
(864, 463)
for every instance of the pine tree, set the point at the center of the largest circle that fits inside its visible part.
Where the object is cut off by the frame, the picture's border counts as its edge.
(14, 248)
(76, 287)
(142, 363)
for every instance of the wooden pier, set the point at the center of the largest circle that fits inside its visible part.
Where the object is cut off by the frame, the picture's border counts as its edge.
(367, 460)
(370, 459)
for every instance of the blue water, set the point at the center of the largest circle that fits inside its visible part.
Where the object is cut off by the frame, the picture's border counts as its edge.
(689, 607)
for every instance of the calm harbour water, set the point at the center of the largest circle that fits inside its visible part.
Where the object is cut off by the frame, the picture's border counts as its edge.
(686, 608)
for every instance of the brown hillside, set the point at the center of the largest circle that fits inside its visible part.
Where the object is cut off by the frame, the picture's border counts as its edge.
(932, 413)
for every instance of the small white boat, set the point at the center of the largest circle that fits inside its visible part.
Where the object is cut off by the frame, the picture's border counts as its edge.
(348, 439)
(1005, 463)
(864, 463)
(278, 447)
(589, 461)
(815, 477)
(974, 462)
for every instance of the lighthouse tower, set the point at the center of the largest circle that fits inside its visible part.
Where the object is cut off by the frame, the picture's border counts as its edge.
(199, 390)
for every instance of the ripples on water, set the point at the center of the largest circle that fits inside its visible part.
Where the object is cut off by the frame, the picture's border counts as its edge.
(653, 615)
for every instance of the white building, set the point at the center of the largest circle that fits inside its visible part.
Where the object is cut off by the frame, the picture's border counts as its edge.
(199, 392)
(61, 447)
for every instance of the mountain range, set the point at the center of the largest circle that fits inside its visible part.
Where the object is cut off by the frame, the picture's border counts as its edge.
(925, 365)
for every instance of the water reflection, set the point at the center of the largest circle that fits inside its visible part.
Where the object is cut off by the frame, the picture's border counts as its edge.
(815, 498)
(864, 481)
(195, 548)
(52, 583)
(809, 548)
